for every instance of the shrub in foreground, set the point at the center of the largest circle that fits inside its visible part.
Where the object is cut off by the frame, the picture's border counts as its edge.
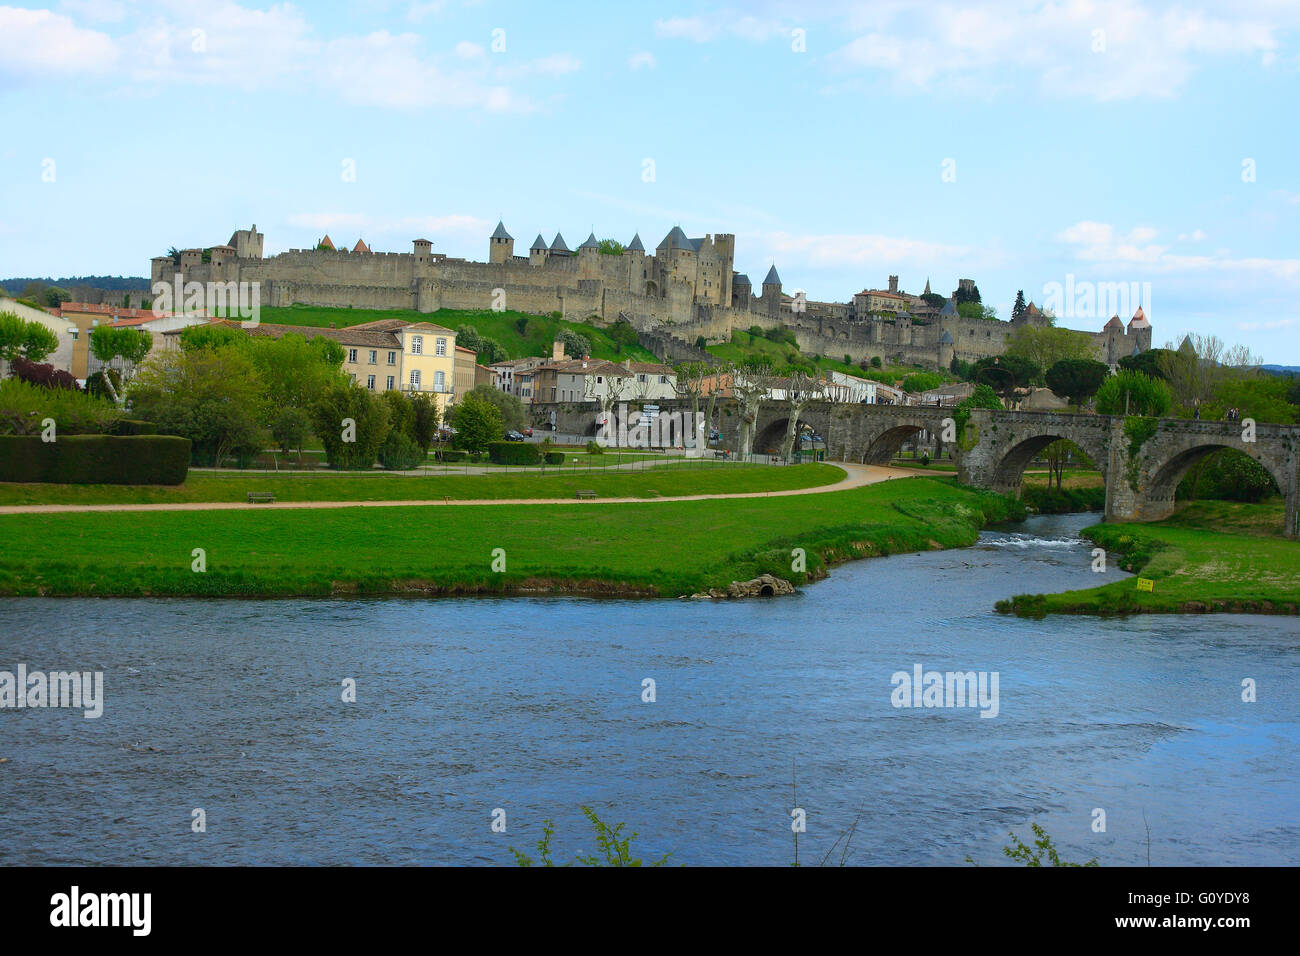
(95, 459)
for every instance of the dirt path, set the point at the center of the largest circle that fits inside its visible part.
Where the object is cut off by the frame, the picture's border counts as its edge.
(855, 477)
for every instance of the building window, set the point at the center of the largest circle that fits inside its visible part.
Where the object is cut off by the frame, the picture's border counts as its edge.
(415, 379)
(370, 382)
(663, 379)
(352, 355)
(389, 384)
(374, 356)
(417, 344)
(441, 348)
(392, 358)
(439, 381)
(641, 377)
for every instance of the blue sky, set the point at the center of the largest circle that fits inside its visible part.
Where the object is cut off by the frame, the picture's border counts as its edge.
(1118, 141)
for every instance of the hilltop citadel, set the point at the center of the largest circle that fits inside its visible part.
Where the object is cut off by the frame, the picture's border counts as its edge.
(685, 291)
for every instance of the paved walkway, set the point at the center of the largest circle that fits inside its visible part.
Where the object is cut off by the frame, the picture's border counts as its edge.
(855, 477)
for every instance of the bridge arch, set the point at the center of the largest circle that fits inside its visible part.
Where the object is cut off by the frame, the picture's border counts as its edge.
(1164, 476)
(885, 446)
(1010, 469)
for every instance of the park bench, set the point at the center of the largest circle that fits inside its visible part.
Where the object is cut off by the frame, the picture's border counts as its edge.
(261, 498)
(721, 453)
(584, 494)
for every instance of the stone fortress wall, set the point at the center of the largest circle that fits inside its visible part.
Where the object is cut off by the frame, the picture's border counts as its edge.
(685, 290)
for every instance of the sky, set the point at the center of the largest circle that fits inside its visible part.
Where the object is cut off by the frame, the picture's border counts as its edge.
(1026, 145)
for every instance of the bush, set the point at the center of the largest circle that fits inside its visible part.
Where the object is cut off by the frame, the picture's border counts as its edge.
(46, 376)
(97, 386)
(95, 459)
(593, 448)
(1132, 393)
(399, 452)
(1228, 475)
(23, 408)
(453, 454)
(132, 426)
(555, 458)
(512, 453)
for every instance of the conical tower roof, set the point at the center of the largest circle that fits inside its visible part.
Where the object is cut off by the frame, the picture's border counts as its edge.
(635, 245)
(538, 244)
(500, 232)
(772, 277)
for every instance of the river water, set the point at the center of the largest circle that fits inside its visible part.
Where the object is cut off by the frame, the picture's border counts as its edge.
(535, 706)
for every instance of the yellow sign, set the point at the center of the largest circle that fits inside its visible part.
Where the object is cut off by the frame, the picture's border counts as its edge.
(1145, 584)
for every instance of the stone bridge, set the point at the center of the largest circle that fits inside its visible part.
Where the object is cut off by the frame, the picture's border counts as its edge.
(1141, 460)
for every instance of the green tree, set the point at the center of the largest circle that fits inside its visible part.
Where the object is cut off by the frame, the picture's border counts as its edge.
(21, 338)
(295, 370)
(478, 423)
(352, 423)
(1006, 373)
(213, 397)
(576, 345)
(1132, 393)
(1256, 395)
(55, 297)
(1076, 379)
(1046, 345)
(609, 247)
(211, 336)
(1149, 362)
(289, 428)
(921, 381)
(425, 425)
(513, 414)
(1018, 310)
(110, 342)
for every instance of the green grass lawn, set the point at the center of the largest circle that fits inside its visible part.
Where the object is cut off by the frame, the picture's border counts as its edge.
(666, 481)
(663, 548)
(1210, 556)
(539, 330)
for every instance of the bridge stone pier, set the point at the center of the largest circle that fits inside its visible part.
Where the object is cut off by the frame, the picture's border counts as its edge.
(1141, 460)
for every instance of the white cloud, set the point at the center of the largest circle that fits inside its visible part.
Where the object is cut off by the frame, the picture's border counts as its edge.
(1267, 326)
(38, 43)
(101, 11)
(1098, 49)
(641, 61)
(469, 51)
(703, 29)
(1196, 235)
(1103, 245)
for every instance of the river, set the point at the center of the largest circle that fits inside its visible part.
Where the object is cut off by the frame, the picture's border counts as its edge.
(535, 706)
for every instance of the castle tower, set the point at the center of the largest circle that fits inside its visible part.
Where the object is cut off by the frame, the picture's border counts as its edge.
(725, 244)
(559, 247)
(589, 247)
(1139, 329)
(946, 350)
(741, 291)
(501, 246)
(423, 250)
(247, 243)
(893, 284)
(538, 252)
(635, 247)
(772, 291)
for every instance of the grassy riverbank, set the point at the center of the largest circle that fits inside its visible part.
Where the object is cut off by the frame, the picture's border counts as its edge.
(656, 548)
(662, 482)
(1210, 556)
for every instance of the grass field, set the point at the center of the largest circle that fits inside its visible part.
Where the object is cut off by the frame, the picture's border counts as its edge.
(663, 482)
(666, 548)
(1210, 556)
(539, 330)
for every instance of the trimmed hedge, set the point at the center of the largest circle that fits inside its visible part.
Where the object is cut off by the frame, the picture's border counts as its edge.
(132, 426)
(513, 453)
(555, 458)
(454, 454)
(95, 459)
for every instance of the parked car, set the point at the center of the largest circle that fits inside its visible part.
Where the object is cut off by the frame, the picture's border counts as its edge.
(528, 432)
(513, 435)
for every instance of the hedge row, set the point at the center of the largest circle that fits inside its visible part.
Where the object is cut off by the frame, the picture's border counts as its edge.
(131, 426)
(454, 454)
(95, 459)
(513, 453)
(555, 458)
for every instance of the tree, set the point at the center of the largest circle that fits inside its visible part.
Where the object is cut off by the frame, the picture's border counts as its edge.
(982, 397)
(1132, 393)
(799, 389)
(1259, 396)
(1076, 379)
(488, 351)
(110, 342)
(351, 423)
(295, 370)
(576, 345)
(55, 297)
(21, 338)
(609, 247)
(918, 382)
(210, 336)
(1005, 373)
(749, 385)
(690, 385)
(213, 397)
(514, 417)
(1149, 362)
(962, 295)
(425, 424)
(478, 422)
(289, 428)
(1018, 310)
(1045, 345)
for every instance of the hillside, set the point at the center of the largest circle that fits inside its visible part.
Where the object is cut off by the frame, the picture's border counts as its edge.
(521, 334)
